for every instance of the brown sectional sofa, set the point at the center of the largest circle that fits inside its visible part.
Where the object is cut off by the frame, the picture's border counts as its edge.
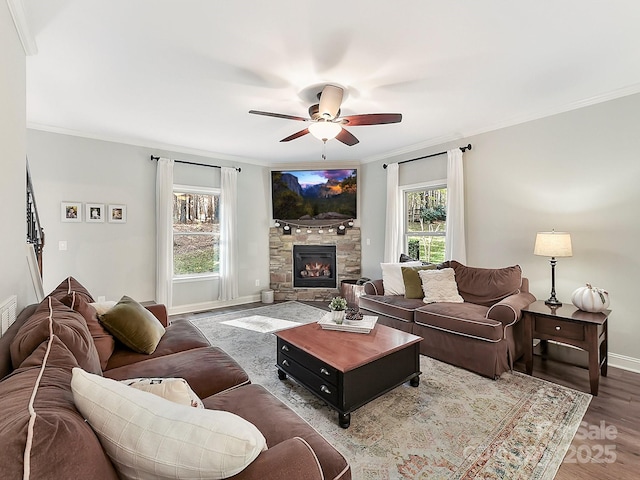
(63, 444)
(483, 334)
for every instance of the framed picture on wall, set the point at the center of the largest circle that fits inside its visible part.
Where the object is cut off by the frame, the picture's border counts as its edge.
(71, 211)
(95, 212)
(117, 214)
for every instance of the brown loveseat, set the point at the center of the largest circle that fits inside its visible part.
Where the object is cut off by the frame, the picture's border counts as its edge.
(483, 334)
(63, 444)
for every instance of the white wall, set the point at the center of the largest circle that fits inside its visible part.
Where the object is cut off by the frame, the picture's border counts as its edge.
(14, 278)
(577, 171)
(112, 260)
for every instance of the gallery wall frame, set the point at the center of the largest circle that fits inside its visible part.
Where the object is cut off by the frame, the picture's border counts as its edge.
(95, 213)
(71, 212)
(117, 213)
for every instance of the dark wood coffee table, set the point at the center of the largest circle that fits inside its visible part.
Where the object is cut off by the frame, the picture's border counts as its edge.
(345, 369)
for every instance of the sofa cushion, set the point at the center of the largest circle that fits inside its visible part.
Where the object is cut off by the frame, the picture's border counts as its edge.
(394, 306)
(102, 339)
(252, 401)
(133, 325)
(72, 449)
(466, 319)
(69, 285)
(208, 370)
(392, 276)
(173, 389)
(440, 286)
(181, 335)
(147, 436)
(52, 316)
(413, 282)
(486, 286)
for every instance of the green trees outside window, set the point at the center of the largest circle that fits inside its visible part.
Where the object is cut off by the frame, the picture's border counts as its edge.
(196, 233)
(426, 223)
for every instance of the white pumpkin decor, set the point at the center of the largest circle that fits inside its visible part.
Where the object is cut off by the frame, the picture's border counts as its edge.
(590, 299)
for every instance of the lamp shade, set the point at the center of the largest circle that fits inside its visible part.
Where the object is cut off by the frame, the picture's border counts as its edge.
(325, 130)
(553, 244)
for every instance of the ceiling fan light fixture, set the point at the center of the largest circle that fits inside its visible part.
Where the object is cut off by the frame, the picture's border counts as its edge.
(325, 130)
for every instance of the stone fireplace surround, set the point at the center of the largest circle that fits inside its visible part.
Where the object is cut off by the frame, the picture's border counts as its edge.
(281, 262)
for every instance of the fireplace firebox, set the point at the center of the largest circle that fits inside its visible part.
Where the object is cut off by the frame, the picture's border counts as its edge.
(314, 266)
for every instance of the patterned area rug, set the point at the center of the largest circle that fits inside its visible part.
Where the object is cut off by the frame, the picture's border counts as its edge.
(455, 425)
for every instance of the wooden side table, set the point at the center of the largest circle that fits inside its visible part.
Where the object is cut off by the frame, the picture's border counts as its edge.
(570, 325)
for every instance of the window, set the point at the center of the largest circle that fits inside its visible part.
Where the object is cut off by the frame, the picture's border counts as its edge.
(196, 231)
(425, 210)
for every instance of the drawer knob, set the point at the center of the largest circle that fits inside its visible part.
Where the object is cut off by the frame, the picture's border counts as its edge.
(285, 363)
(285, 348)
(558, 327)
(325, 389)
(324, 371)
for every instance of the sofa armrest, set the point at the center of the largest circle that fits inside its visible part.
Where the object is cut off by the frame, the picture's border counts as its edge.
(160, 312)
(292, 458)
(508, 310)
(374, 287)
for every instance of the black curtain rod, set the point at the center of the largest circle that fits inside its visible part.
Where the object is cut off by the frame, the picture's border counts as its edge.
(468, 147)
(194, 163)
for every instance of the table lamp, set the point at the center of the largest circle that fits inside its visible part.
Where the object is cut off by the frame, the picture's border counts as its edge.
(553, 244)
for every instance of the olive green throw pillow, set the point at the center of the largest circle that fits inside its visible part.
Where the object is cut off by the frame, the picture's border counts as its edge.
(133, 325)
(412, 281)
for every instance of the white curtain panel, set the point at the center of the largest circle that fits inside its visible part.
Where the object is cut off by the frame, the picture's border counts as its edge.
(455, 246)
(393, 228)
(164, 231)
(228, 234)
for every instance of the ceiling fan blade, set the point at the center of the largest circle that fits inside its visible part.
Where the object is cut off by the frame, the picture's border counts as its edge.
(295, 135)
(372, 119)
(330, 101)
(279, 115)
(347, 138)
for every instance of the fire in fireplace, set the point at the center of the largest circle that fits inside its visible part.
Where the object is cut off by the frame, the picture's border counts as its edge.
(314, 266)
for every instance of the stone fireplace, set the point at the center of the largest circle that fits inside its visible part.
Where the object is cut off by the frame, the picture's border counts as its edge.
(311, 266)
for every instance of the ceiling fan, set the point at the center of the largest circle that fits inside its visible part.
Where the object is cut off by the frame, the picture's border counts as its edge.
(326, 122)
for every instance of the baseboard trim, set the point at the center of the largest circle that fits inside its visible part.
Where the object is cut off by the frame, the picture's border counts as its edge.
(200, 307)
(624, 362)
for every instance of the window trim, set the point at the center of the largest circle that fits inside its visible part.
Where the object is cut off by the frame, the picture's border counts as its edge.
(417, 187)
(190, 277)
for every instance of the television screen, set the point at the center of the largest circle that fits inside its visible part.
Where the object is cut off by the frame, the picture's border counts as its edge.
(314, 194)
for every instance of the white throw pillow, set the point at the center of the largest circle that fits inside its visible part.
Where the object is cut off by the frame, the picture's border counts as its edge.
(146, 436)
(174, 389)
(392, 280)
(103, 307)
(440, 286)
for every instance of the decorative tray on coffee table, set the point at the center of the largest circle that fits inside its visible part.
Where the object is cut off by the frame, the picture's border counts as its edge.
(356, 326)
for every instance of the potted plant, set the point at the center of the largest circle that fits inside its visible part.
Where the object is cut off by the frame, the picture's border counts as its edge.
(338, 307)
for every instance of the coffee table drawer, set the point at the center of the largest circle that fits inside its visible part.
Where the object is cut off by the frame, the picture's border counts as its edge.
(327, 372)
(559, 328)
(313, 382)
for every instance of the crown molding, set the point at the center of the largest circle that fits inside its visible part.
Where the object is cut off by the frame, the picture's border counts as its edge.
(16, 7)
(517, 120)
(146, 144)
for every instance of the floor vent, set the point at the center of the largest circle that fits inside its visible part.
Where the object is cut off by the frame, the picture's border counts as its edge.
(8, 310)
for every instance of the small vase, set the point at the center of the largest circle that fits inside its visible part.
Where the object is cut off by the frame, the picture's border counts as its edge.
(337, 316)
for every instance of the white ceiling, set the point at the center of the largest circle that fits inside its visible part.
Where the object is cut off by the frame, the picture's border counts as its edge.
(182, 74)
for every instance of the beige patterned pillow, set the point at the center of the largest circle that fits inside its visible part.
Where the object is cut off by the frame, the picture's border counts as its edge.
(440, 286)
(146, 436)
(174, 389)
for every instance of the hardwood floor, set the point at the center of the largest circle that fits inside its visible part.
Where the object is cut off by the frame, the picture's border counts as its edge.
(607, 445)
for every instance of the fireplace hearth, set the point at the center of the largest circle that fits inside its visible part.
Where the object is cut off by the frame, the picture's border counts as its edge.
(314, 266)
(281, 259)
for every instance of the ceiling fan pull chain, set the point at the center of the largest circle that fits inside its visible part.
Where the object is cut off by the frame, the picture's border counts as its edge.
(324, 149)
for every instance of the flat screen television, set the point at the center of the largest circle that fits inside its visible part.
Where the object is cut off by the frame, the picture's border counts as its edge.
(314, 194)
